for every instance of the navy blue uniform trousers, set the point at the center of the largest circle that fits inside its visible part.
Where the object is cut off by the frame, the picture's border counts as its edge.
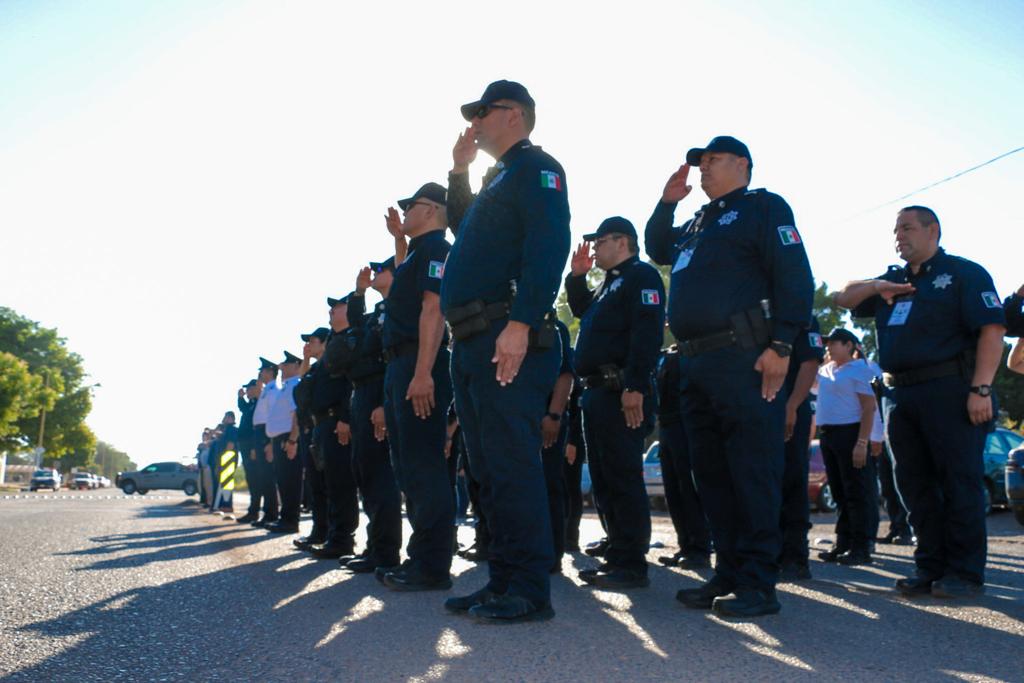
(315, 479)
(554, 481)
(681, 495)
(288, 473)
(371, 463)
(796, 508)
(417, 457)
(736, 444)
(939, 471)
(501, 428)
(854, 489)
(616, 455)
(339, 484)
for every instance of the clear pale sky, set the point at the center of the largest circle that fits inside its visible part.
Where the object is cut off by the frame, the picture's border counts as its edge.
(182, 184)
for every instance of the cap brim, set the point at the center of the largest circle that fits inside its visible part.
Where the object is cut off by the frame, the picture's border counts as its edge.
(305, 337)
(694, 155)
(404, 204)
(469, 109)
(590, 237)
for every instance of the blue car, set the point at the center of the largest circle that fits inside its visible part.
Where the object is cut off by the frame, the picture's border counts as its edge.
(997, 466)
(1015, 483)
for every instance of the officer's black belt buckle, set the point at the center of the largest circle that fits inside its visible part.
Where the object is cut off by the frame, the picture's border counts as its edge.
(399, 350)
(748, 330)
(368, 379)
(324, 416)
(475, 317)
(610, 377)
(925, 374)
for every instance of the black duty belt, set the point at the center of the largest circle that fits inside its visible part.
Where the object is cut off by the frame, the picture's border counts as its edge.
(476, 317)
(399, 350)
(368, 379)
(919, 375)
(610, 377)
(712, 342)
(324, 416)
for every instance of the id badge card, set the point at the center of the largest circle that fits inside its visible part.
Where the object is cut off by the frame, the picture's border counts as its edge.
(900, 313)
(683, 260)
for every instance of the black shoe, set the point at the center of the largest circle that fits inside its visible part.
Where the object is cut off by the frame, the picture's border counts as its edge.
(747, 603)
(954, 587)
(670, 560)
(597, 548)
(704, 596)
(414, 580)
(366, 565)
(349, 557)
(466, 602)
(280, 527)
(832, 555)
(904, 539)
(619, 579)
(307, 542)
(790, 572)
(247, 518)
(262, 523)
(915, 585)
(589, 575)
(473, 553)
(331, 551)
(854, 558)
(510, 609)
(694, 562)
(380, 572)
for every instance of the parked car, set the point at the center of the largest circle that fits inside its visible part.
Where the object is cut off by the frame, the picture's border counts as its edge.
(83, 481)
(997, 451)
(103, 482)
(1015, 482)
(161, 475)
(45, 478)
(818, 490)
(653, 481)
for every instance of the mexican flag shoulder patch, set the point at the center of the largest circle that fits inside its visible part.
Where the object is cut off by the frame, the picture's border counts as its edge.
(789, 235)
(550, 180)
(650, 297)
(436, 269)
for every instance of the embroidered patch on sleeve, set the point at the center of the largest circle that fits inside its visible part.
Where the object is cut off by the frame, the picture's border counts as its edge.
(991, 300)
(789, 235)
(650, 297)
(815, 340)
(435, 270)
(551, 180)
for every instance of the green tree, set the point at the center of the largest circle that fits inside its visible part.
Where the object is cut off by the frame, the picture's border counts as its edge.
(64, 394)
(109, 460)
(22, 395)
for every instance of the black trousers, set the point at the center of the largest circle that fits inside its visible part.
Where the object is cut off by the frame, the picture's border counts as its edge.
(250, 466)
(417, 457)
(681, 497)
(853, 489)
(482, 536)
(288, 473)
(317, 483)
(894, 507)
(342, 510)
(616, 455)
(371, 463)
(796, 508)
(553, 458)
(573, 477)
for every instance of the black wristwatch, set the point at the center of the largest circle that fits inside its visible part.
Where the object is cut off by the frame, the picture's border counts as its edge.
(983, 390)
(554, 416)
(781, 348)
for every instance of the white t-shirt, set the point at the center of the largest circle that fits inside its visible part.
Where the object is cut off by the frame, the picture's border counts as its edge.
(265, 402)
(280, 419)
(838, 388)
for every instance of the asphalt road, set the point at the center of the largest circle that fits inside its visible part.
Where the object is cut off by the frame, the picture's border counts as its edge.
(101, 587)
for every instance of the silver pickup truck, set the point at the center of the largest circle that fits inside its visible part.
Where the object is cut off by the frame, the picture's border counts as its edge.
(161, 475)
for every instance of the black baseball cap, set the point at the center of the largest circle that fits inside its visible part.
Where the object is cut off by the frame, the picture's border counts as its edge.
(266, 364)
(251, 383)
(615, 224)
(386, 264)
(722, 143)
(320, 333)
(332, 302)
(841, 334)
(499, 90)
(290, 358)
(432, 191)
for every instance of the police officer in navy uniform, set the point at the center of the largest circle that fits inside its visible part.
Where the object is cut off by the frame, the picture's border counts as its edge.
(500, 283)
(940, 340)
(371, 460)
(417, 393)
(312, 465)
(741, 291)
(555, 435)
(681, 496)
(808, 353)
(247, 397)
(617, 350)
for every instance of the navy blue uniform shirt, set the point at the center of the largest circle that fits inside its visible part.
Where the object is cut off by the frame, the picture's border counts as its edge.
(369, 329)
(621, 323)
(515, 231)
(737, 250)
(245, 409)
(808, 346)
(954, 298)
(420, 272)
(330, 392)
(567, 366)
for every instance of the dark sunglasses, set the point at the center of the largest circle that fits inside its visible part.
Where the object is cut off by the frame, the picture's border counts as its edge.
(485, 109)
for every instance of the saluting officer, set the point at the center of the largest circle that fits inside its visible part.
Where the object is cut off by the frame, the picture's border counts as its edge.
(940, 340)
(314, 487)
(283, 432)
(266, 482)
(371, 461)
(247, 397)
(808, 353)
(502, 276)
(741, 290)
(616, 353)
(417, 392)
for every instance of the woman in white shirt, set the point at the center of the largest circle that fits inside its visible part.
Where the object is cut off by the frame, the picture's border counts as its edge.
(845, 416)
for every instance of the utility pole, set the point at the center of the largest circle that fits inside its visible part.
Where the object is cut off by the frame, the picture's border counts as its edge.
(42, 424)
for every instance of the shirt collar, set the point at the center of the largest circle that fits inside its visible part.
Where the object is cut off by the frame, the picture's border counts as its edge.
(927, 266)
(617, 270)
(425, 237)
(727, 198)
(514, 151)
